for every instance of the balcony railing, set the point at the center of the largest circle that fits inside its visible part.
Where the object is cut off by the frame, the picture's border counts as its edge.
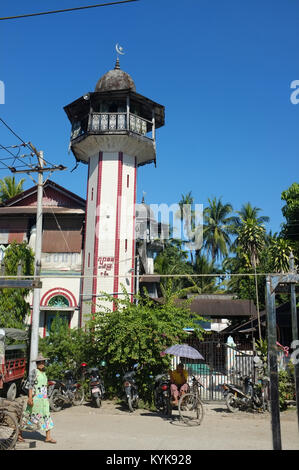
(99, 123)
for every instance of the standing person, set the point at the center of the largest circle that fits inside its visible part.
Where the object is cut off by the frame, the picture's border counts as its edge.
(37, 412)
(179, 385)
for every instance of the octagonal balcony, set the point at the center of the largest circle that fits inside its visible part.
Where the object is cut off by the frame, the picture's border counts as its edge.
(113, 123)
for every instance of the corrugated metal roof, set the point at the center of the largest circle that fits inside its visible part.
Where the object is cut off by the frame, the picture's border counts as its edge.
(220, 308)
(32, 210)
(223, 308)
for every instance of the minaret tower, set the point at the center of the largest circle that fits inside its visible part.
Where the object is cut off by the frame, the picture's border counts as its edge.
(113, 131)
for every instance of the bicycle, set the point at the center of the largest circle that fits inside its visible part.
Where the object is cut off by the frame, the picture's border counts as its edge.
(190, 406)
(9, 430)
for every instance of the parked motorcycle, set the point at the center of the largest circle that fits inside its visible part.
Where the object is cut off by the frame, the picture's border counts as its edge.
(96, 385)
(162, 394)
(252, 397)
(130, 388)
(68, 392)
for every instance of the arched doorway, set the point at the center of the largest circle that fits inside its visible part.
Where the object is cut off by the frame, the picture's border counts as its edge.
(57, 303)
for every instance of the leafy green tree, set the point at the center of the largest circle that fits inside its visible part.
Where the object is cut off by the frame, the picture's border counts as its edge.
(217, 228)
(139, 334)
(13, 304)
(205, 284)
(9, 188)
(65, 347)
(290, 229)
(244, 287)
(173, 260)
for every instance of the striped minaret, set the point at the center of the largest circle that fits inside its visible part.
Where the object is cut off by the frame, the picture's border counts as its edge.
(113, 131)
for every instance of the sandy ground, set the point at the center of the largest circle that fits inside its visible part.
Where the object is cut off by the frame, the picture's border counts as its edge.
(112, 427)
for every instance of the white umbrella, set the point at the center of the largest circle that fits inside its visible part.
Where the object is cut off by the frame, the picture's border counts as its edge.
(183, 350)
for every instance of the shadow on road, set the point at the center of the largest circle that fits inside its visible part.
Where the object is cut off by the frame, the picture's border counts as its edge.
(33, 435)
(155, 414)
(221, 410)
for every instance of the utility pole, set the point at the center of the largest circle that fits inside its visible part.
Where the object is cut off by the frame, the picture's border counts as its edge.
(293, 270)
(280, 283)
(39, 169)
(37, 265)
(137, 278)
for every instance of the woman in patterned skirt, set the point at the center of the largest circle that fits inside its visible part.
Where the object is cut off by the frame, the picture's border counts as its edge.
(37, 412)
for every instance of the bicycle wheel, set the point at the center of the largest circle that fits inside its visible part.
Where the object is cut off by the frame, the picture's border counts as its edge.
(191, 409)
(9, 431)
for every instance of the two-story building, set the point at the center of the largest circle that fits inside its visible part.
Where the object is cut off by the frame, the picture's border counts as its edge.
(62, 242)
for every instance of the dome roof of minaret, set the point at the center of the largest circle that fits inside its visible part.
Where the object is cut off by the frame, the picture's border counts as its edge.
(115, 79)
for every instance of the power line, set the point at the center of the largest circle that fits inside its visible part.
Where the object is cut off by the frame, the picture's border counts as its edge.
(32, 167)
(13, 132)
(13, 157)
(79, 276)
(67, 10)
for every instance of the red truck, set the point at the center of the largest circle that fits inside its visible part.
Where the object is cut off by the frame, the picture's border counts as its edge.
(12, 361)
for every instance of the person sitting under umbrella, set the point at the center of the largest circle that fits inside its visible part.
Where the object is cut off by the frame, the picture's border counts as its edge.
(179, 385)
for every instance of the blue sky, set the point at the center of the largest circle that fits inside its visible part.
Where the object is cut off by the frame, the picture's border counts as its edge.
(222, 69)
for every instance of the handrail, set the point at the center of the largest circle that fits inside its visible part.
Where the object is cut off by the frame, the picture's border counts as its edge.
(121, 121)
(121, 113)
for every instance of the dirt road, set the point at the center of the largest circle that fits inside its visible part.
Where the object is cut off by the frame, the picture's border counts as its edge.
(112, 427)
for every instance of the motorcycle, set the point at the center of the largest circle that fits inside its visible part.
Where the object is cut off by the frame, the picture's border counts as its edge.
(162, 394)
(130, 388)
(96, 385)
(252, 396)
(68, 392)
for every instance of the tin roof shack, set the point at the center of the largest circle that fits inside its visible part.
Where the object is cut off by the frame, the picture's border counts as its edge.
(219, 309)
(249, 329)
(62, 246)
(13, 346)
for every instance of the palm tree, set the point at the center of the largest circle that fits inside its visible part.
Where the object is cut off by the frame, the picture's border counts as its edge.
(205, 284)
(279, 254)
(249, 212)
(217, 228)
(173, 260)
(186, 214)
(187, 199)
(9, 188)
(250, 242)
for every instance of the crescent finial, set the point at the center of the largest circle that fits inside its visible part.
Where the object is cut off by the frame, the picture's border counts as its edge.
(119, 49)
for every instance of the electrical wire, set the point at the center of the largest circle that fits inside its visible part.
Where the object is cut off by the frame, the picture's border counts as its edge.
(24, 144)
(66, 10)
(72, 276)
(14, 157)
